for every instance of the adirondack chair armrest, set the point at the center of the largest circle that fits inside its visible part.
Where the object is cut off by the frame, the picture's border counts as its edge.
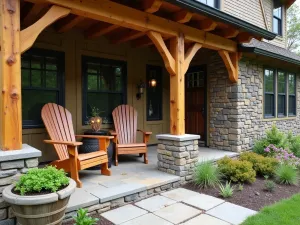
(69, 143)
(104, 141)
(146, 135)
(94, 136)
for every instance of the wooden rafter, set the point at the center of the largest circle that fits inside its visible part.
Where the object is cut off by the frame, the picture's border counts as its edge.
(100, 29)
(207, 25)
(127, 36)
(109, 12)
(183, 16)
(231, 62)
(151, 6)
(244, 37)
(35, 10)
(30, 34)
(230, 33)
(68, 23)
(142, 42)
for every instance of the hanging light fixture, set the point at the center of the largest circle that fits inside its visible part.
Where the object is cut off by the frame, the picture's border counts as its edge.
(153, 82)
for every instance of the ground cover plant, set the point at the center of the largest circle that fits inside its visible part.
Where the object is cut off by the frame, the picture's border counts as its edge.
(287, 174)
(285, 212)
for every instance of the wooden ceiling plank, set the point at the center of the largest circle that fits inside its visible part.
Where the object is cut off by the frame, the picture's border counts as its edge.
(100, 29)
(127, 36)
(183, 16)
(34, 13)
(152, 6)
(68, 23)
(142, 42)
(121, 15)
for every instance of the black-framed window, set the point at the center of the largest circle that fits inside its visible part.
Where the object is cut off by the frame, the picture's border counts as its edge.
(281, 94)
(212, 3)
(104, 86)
(277, 20)
(269, 90)
(154, 93)
(42, 73)
(292, 94)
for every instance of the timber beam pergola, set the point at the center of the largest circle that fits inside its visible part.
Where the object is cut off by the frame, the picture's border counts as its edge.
(181, 28)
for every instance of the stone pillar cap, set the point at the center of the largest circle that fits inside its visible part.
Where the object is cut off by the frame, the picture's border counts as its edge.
(185, 137)
(25, 153)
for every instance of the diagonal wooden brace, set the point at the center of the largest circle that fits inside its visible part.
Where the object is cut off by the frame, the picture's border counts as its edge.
(231, 61)
(30, 34)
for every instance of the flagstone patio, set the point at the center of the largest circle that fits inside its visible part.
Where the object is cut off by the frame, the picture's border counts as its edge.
(179, 206)
(130, 181)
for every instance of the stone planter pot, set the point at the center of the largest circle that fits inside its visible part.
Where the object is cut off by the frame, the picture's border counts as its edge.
(48, 209)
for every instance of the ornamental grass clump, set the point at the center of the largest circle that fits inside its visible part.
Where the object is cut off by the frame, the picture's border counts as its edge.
(48, 179)
(206, 175)
(287, 174)
(226, 191)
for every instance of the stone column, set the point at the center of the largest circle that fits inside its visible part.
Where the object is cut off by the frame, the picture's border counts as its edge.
(12, 165)
(178, 155)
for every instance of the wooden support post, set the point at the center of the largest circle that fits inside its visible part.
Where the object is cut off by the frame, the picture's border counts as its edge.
(177, 63)
(10, 73)
(231, 62)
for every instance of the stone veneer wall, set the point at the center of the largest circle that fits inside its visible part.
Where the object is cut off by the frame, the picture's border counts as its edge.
(236, 110)
(12, 165)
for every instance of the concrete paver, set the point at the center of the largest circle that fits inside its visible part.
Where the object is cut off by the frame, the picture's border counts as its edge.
(203, 201)
(155, 203)
(180, 194)
(148, 219)
(205, 220)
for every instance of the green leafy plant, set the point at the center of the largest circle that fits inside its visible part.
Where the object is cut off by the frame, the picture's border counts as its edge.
(206, 174)
(240, 187)
(226, 191)
(83, 219)
(262, 165)
(269, 186)
(287, 174)
(294, 145)
(236, 170)
(45, 179)
(260, 145)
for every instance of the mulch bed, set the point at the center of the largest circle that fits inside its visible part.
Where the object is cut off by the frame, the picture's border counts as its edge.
(253, 195)
(101, 221)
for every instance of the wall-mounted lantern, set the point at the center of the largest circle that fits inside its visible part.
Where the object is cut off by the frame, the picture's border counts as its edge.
(140, 88)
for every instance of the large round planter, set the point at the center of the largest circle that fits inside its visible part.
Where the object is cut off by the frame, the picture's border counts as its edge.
(48, 209)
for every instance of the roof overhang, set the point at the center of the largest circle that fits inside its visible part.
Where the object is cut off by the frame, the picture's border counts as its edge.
(286, 3)
(269, 54)
(216, 14)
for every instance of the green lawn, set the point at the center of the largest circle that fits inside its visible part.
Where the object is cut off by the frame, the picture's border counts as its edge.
(286, 212)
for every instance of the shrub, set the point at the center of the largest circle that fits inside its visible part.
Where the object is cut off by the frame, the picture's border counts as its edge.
(206, 174)
(283, 156)
(294, 145)
(83, 219)
(287, 174)
(45, 179)
(262, 165)
(259, 146)
(236, 170)
(270, 185)
(226, 191)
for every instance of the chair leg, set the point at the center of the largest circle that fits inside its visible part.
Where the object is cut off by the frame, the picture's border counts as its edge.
(105, 170)
(74, 173)
(146, 158)
(116, 157)
(141, 155)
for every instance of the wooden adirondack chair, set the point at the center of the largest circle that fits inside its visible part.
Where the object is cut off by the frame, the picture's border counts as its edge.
(58, 122)
(125, 120)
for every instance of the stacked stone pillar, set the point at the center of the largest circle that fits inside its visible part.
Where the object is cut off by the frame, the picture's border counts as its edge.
(178, 155)
(12, 165)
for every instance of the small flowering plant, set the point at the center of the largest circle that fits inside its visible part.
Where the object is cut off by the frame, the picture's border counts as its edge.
(283, 156)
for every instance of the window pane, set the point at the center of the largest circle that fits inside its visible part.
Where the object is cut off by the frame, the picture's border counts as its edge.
(51, 79)
(25, 62)
(92, 82)
(118, 79)
(269, 104)
(281, 105)
(51, 63)
(36, 78)
(93, 68)
(33, 101)
(292, 85)
(36, 62)
(281, 82)
(269, 81)
(276, 25)
(154, 93)
(292, 105)
(105, 102)
(25, 77)
(277, 12)
(106, 78)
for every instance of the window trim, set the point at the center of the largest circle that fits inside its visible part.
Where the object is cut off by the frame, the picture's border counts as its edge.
(30, 124)
(278, 94)
(84, 60)
(216, 2)
(287, 113)
(148, 67)
(280, 28)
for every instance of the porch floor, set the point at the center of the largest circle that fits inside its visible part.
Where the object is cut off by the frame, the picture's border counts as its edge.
(130, 177)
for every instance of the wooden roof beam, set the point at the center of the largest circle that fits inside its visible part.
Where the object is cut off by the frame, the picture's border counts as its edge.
(127, 36)
(100, 29)
(207, 25)
(151, 6)
(244, 37)
(121, 15)
(229, 33)
(68, 23)
(33, 13)
(183, 16)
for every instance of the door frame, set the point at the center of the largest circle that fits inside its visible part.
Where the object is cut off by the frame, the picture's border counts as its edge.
(194, 68)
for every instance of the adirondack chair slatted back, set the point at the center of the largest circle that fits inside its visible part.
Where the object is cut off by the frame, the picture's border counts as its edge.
(125, 120)
(58, 122)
